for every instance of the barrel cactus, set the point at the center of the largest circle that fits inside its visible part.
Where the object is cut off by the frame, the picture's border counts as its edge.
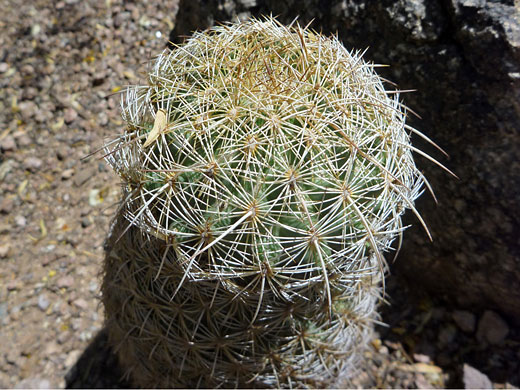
(265, 171)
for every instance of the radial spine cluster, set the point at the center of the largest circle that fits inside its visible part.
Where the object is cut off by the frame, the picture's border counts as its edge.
(265, 170)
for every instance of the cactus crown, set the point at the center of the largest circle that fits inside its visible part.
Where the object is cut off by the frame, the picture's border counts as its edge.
(275, 152)
(271, 160)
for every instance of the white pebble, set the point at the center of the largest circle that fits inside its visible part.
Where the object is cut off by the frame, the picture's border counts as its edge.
(43, 302)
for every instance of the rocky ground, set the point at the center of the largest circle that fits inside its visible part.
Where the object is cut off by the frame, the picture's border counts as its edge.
(62, 65)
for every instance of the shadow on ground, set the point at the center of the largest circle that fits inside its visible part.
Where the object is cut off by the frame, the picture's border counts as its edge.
(97, 367)
(420, 333)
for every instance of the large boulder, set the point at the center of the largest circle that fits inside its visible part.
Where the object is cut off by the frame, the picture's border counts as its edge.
(463, 58)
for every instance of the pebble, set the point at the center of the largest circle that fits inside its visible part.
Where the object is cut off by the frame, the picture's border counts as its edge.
(27, 110)
(421, 382)
(62, 154)
(421, 358)
(492, 328)
(64, 337)
(82, 177)
(12, 356)
(474, 379)
(94, 197)
(61, 224)
(16, 310)
(52, 348)
(6, 205)
(14, 285)
(93, 286)
(35, 30)
(102, 118)
(80, 303)
(32, 163)
(65, 281)
(465, 320)
(24, 140)
(4, 250)
(70, 115)
(4, 66)
(29, 93)
(8, 144)
(33, 383)
(43, 302)
(85, 336)
(86, 222)
(4, 227)
(67, 174)
(20, 221)
(75, 324)
(5, 168)
(72, 357)
(3, 310)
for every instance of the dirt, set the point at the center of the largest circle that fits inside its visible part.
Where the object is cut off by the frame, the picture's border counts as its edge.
(62, 66)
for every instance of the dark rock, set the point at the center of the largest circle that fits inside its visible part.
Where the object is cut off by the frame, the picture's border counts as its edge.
(86, 222)
(444, 359)
(492, 328)
(465, 320)
(447, 335)
(463, 58)
(474, 379)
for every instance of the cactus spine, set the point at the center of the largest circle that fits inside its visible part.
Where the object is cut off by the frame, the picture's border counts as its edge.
(265, 170)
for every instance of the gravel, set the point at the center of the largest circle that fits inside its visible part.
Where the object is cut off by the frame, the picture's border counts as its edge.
(61, 67)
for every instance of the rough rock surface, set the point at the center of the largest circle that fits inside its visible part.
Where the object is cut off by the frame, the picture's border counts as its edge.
(492, 328)
(463, 58)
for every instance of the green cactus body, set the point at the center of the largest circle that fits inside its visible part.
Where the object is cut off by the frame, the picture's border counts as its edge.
(247, 250)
